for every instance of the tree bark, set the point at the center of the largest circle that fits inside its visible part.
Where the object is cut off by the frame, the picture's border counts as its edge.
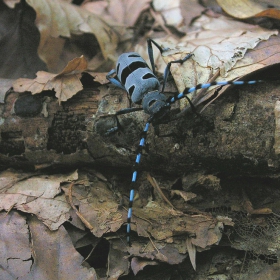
(237, 133)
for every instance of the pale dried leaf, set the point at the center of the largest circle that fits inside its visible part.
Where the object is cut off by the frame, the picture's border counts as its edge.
(192, 252)
(225, 220)
(170, 10)
(217, 44)
(38, 195)
(98, 207)
(121, 11)
(249, 8)
(55, 255)
(66, 84)
(15, 249)
(9, 177)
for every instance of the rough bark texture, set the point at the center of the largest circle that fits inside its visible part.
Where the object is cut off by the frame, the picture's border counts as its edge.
(236, 133)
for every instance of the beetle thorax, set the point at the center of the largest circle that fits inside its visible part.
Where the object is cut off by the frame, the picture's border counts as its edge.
(154, 103)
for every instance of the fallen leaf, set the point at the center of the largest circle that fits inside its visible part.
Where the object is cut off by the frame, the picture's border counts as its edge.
(55, 256)
(162, 223)
(251, 8)
(118, 265)
(99, 77)
(225, 220)
(119, 11)
(170, 11)
(218, 45)
(167, 253)
(192, 252)
(98, 208)
(39, 195)
(15, 249)
(66, 84)
(185, 195)
(57, 20)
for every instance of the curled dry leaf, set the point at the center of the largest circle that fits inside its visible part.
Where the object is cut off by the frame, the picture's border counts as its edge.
(66, 84)
(245, 9)
(218, 45)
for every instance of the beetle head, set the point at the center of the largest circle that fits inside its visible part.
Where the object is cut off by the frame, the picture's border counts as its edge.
(154, 103)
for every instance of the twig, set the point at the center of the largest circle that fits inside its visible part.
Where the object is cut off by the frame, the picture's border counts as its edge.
(156, 186)
(86, 223)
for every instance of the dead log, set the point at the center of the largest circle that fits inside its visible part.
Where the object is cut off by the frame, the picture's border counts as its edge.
(237, 133)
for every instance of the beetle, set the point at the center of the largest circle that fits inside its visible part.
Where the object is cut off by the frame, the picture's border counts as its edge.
(140, 82)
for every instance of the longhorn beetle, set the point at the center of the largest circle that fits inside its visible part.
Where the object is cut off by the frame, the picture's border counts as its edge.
(140, 82)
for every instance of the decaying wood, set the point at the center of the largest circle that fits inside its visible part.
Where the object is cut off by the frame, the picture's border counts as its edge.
(235, 134)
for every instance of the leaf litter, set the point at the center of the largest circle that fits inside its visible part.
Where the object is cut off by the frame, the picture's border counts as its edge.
(47, 197)
(174, 233)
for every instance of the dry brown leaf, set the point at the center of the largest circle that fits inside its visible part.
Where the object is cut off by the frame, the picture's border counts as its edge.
(28, 250)
(164, 253)
(39, 195)
(55, 255)
(121, 11)
(118, 264)
(251, 8)
(15, 251)
(163, 223)
(66, 84)
(98, 207)
(185, 195)
(99, 77)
